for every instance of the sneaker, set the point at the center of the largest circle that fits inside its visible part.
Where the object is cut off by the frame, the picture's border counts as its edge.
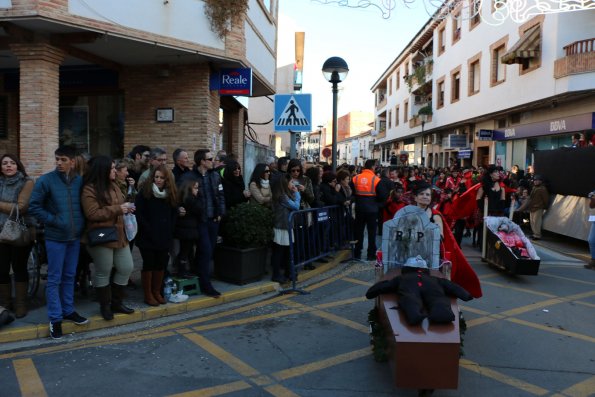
(56, 330)
(76, 318)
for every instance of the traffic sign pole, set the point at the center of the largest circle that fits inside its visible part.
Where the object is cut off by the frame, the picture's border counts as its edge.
(292, 144)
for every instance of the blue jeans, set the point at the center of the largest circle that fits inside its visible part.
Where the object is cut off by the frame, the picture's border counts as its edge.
(592, 240)
(205, 247)
(63, 258)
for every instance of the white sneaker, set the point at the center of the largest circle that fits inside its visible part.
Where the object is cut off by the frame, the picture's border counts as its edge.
(178, 298)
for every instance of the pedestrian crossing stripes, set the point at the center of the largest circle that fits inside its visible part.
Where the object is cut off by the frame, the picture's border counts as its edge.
(292, 115)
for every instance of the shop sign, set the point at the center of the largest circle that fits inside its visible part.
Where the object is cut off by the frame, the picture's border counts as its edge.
(557, 126)
(237, 81)
(485, 135)
(465, 153)
(455, 140)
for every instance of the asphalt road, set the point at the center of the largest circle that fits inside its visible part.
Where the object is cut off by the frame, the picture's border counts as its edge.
(527, 336)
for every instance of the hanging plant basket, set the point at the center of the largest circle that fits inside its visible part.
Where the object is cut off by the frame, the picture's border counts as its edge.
(222, 14)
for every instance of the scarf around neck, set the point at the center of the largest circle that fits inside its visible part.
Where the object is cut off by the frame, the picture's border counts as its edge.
(264, 183)
(159, 193)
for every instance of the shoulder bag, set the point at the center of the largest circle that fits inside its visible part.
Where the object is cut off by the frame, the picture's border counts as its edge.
(14, 231)
(102, 235)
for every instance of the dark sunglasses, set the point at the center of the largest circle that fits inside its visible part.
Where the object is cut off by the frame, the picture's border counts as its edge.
(295, 170)
(237, 169)
(209, 159)
(267, 172)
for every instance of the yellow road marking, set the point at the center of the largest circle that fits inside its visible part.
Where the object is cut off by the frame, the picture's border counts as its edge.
(29, 381)
(342, 302)
(553, 330)
(280, 391)
(585, 388)
(322, 364)
(525, 290)
(356, 281)
(500, 377)
(568, 279)
(227, 358)
(246, 320)
(341, 320)
(588, 304)
(215, 390)
(125, 338)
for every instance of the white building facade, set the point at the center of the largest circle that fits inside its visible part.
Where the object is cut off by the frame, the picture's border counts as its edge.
(542, 94)
(465, 92)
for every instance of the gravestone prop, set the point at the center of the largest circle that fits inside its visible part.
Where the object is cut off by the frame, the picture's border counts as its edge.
(409, 234)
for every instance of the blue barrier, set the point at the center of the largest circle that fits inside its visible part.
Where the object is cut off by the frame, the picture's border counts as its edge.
(316, 233)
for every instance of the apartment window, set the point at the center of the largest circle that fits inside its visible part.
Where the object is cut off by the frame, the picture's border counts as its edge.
(455, 85)
(456, 27)
(390, 86)
(440, 89)
(498, 68)
(390, 119)
(474, 67)
(396, 116)
(406, 111)
(398, 79)
(441, 39)
(474, 14)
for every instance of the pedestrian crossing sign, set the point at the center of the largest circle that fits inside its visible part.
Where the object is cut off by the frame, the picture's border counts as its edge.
(293, 112)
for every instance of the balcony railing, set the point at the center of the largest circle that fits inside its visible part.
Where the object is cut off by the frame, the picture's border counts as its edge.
(580, 47)
(580, 58)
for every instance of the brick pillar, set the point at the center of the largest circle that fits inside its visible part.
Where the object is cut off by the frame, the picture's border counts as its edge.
(39, 100)
(236, 129)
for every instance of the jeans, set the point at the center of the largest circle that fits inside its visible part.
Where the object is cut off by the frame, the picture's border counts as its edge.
(62, 261)
(592, 240)
(205, 247)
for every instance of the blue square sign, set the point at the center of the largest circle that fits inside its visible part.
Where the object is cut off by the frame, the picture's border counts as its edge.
(293, 112)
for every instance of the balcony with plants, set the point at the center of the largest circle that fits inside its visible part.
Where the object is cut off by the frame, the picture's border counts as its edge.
(419, 115)
(380, 98)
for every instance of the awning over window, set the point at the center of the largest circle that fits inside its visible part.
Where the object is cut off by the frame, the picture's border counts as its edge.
(527, 47)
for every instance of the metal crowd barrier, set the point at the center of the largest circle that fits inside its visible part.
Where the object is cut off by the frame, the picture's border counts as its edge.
(314, 234)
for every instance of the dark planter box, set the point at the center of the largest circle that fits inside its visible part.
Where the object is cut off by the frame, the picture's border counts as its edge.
(239, 266)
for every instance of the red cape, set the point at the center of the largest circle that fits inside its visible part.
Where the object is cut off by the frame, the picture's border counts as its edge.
(462, 273)
(465, 205)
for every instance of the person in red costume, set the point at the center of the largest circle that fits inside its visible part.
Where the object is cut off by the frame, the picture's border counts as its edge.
(393, 204)
(462, 273)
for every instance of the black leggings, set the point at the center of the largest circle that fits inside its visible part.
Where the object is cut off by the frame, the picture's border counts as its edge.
(154, 260)
(17, 257)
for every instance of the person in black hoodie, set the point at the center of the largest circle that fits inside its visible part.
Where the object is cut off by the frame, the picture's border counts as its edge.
(234, 187)
(330, 190)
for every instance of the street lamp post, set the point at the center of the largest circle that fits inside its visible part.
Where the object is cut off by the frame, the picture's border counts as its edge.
(424, 118)
(335, 71)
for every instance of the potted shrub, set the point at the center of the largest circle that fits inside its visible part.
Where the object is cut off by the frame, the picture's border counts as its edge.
(246, 232)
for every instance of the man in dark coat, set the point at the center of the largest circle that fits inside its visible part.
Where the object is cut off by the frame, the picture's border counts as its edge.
(214, 209)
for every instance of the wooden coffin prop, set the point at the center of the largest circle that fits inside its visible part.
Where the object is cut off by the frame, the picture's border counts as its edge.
(424, 356)
(510, 250)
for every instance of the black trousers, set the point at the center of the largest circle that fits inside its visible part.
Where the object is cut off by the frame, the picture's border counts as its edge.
(17, 257)
(154, 260)
(369, 222)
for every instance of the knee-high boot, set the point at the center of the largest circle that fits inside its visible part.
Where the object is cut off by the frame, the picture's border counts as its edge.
(147, 279)
(6, 296)
(20, 299)
(118, 305)
(156, 283)
(105, 296)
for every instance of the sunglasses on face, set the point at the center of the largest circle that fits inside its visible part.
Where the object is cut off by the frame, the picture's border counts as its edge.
(209, 159)
(237, 169)
(295, 170)
(267, 171)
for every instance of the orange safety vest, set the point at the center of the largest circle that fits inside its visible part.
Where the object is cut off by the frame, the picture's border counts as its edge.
(365, 183)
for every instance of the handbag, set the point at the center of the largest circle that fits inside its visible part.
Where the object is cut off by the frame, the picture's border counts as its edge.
(102, 235)
(130, 226)
(14, 231)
